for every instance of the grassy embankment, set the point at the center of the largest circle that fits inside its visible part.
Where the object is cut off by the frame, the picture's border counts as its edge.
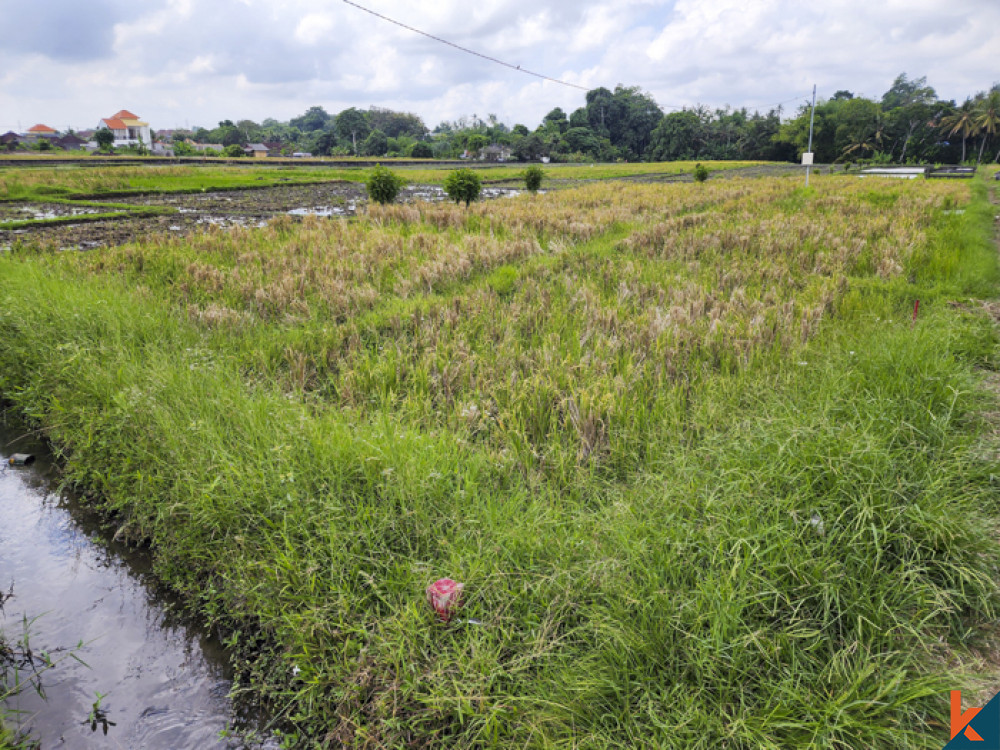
(706, 483)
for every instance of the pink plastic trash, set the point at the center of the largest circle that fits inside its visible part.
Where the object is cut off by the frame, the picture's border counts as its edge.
(444, 595)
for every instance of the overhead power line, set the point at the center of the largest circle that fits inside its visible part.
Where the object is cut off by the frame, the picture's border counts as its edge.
(518, 68)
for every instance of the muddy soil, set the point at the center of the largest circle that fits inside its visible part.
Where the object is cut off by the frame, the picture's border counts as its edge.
(197, 212)
(23, 211)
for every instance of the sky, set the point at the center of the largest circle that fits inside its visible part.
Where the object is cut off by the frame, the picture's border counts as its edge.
(188, 63)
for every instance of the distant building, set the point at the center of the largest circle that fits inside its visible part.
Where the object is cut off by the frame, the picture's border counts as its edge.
(129, 130)
(257, 151)
(10, 140)
(496, 152)
(70, 142)
(43, 131)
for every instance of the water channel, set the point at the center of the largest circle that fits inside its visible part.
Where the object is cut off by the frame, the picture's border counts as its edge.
(162, 681)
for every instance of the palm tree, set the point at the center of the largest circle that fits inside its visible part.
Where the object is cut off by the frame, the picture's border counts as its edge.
(962, 122)
(988, 120)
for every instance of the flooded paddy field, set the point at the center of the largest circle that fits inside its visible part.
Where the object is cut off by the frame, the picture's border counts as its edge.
(197, 212)
(128, 671)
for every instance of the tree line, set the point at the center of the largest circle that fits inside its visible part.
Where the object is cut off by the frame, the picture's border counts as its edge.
(908, 124)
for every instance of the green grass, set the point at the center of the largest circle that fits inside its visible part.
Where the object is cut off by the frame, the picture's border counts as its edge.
(706, 483)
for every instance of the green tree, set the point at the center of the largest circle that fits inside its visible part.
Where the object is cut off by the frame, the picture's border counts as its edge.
(233, 151)
(904, 92)
(105, 139)
(314, 118)
(556, 121)
(396, 124)
(376, 144)
(353, 127)
(476, 143)
(961, 122)
(383, 184)
(463, 185)
(677, 136)
(987, 119)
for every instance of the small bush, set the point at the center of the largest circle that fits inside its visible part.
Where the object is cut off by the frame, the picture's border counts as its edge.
(421, 151)
(233, 151)
(463, 185)
(533, 178)
(700, 173)
(383, 184)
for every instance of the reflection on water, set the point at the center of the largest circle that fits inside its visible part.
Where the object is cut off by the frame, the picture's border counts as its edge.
(165, 681)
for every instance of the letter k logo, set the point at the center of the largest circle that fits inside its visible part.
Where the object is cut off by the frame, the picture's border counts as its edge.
(960, 721)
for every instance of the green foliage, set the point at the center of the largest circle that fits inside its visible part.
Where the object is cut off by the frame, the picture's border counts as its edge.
(700, 173)
(383, 184)
(105, 138)
(503, 280)
(463, 185)
(376, 144)
(233, 150)
(533, 178)
(421, 150)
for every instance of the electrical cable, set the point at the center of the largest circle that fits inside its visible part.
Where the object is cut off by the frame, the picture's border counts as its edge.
(467, 50)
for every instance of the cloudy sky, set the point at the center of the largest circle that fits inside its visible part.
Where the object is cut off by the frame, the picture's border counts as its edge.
(180, 63)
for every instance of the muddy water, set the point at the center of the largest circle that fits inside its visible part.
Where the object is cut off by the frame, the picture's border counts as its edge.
(165, 681)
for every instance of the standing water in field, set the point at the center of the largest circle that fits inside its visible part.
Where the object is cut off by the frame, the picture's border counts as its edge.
(158, 682)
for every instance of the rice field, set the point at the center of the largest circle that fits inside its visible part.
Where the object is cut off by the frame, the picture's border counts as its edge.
(708, 478)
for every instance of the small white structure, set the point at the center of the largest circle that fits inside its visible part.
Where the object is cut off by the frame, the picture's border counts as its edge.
(129, 130)
(900, 173)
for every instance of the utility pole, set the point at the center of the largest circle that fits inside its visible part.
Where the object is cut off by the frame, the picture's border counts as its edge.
(807, 158)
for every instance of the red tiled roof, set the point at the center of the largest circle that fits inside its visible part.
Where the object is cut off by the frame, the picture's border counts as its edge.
(124, 115)
(115, 124)
(41, 129)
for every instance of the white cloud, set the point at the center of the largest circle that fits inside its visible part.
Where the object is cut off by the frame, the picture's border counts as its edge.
(255, 59)
(314, 28)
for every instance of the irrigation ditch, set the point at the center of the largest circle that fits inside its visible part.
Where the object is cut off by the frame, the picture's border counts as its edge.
(102, 656)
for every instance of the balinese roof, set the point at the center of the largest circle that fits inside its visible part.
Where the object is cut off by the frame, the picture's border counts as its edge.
(41, 129)
(123, 120)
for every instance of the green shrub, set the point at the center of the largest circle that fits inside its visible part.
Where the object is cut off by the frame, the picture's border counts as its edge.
(463, 185)
(421, 151)
(233, 151)
(383, 184)
(700, 173)
(533, 178)
(502, 280)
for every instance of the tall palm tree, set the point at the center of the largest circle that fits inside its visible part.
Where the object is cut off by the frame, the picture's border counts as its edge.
(962, 122)
(988, 119)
